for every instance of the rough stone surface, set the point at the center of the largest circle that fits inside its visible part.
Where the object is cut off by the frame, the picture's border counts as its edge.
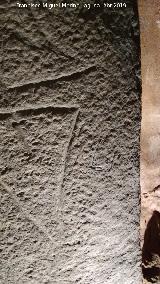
(69, 144)
(150, 139)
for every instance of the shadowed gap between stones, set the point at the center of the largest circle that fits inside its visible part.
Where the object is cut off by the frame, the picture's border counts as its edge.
(151, 250)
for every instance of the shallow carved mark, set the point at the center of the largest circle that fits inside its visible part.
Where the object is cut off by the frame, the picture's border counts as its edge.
(62, 77)
(50, 46)
(60, 190)
(36, 110)
(24, 212)
(20, 133)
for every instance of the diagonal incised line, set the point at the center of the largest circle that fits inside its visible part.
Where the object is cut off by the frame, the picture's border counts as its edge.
(61, 182)
(53, 79)
(38, 107)
(14, 112)
(27, 215)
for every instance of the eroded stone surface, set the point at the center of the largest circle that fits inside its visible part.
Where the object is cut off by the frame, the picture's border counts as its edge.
(150, 140)
(70, 171)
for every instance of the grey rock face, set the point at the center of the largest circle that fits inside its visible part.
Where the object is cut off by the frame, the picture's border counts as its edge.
(69, 144)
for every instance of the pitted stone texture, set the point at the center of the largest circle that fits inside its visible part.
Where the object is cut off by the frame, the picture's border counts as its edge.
(70, 171)
(150, 140)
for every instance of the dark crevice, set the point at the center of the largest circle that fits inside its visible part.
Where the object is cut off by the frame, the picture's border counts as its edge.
(151, 250)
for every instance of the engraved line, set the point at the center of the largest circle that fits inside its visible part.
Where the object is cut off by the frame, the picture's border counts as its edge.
(39, 107)
(94, 156)
(21, 134)
(28, 216)
(60, 192)
(61, 77)
(50, 46)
